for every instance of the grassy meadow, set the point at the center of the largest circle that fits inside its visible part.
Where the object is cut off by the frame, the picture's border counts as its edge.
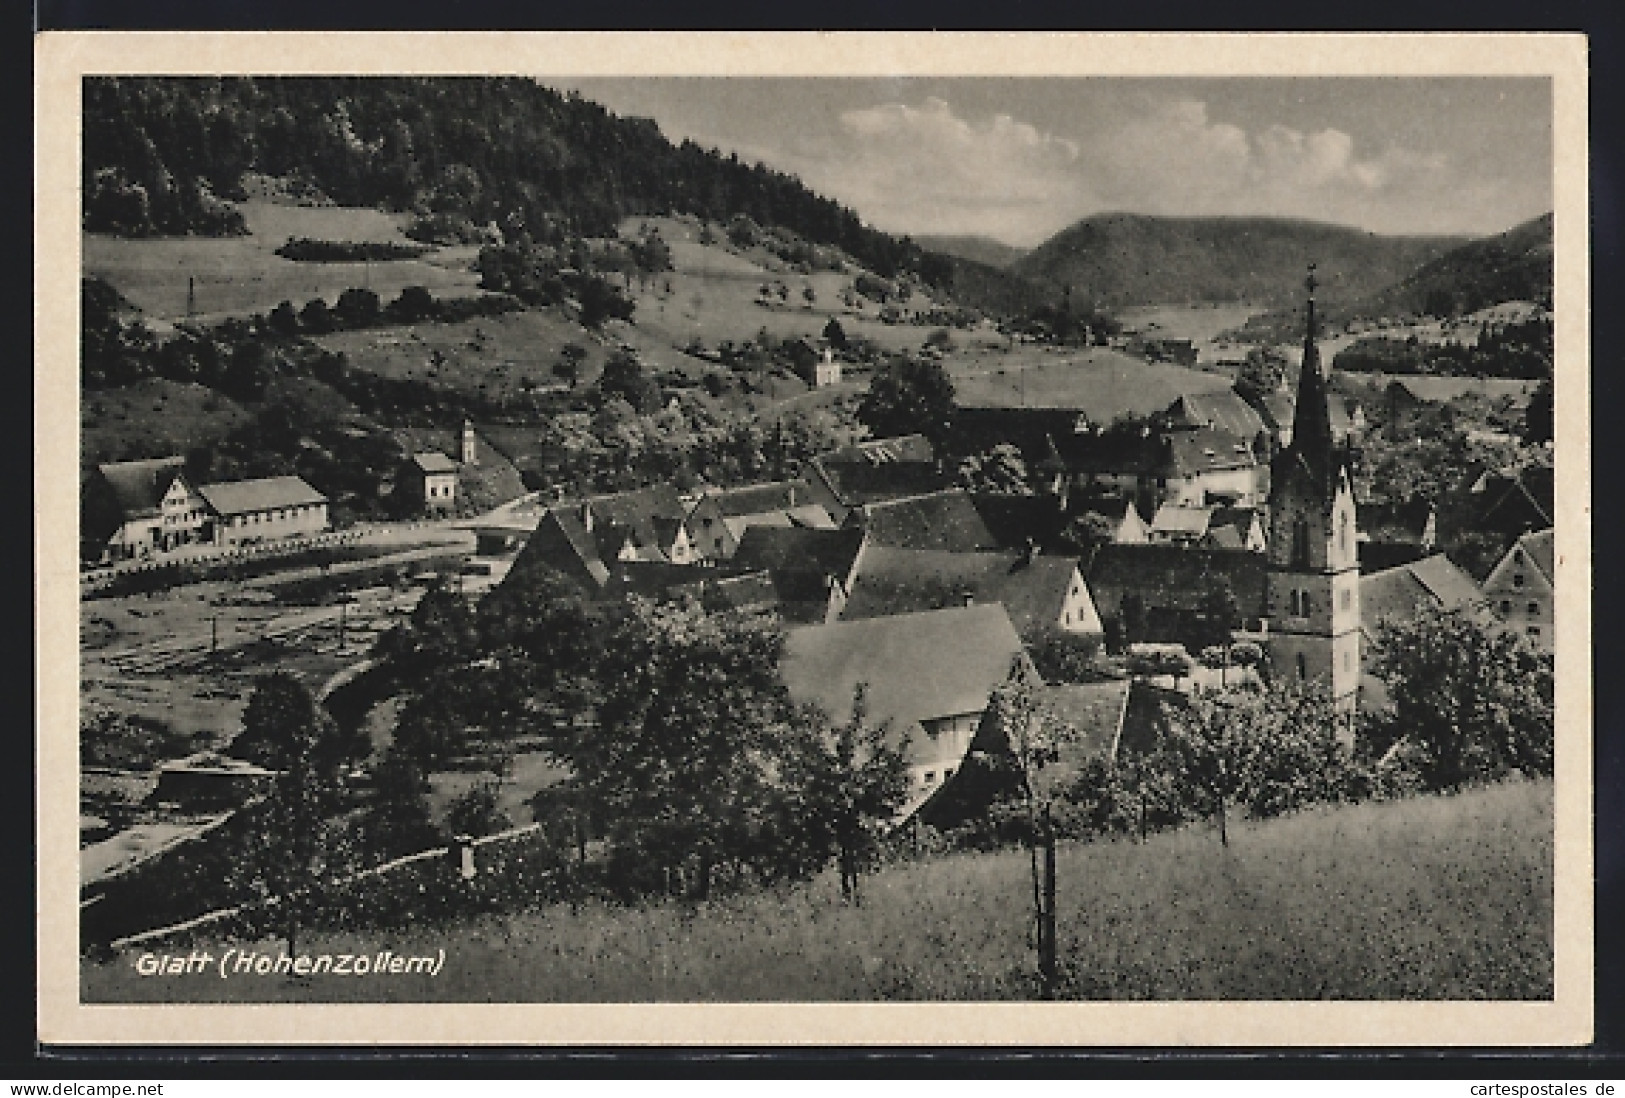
(1437, 898)
(233, 276)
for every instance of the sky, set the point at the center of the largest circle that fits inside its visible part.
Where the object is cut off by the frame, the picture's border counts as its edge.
(1018, 159)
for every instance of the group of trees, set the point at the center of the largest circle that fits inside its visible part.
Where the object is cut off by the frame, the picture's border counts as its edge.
(685, 750)
(1522, 350)
(474, 150)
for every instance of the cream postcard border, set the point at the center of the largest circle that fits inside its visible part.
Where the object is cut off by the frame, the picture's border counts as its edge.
(62, 59)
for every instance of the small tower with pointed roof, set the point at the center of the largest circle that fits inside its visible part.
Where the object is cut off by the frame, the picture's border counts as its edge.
(1313, 587)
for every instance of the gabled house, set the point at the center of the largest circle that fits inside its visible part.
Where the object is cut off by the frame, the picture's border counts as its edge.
(1208, 527)
(249, 511)
(1127, 527)
(1201, 466)
(1521, 586)
(132, 508)
(1166, 587)
(812, 571)
(586, 541)
(1043, 595)
(1399, 593)
(718, 519)
(429, 481)
(928, 678)
(947, 520)
(872, 471)
(1222, 408)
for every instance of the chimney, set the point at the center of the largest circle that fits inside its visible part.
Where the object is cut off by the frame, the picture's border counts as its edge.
(470, 451)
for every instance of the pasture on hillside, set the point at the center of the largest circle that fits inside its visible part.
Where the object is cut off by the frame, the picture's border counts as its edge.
(1099, 381)
(152, 418)
(235, 276)
(1435, 898)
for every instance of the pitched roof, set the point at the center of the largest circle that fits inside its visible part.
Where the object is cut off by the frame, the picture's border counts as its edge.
(918, 667)
(241, 496)
(139, 486)
(1014, 520)
(1172, 577)
(1093, 714)
(561, 543)
(900, 581)
(1398, 593)
(946, 520)
(433, 461)
(1207, 449)
(1222, 408)
(1541, 549)
(879, 451)
(1177, 518)
(854, 483)
(797, 549)
(759, 499)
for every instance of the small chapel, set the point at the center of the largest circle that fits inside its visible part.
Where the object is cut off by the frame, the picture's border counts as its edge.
(1312, 586)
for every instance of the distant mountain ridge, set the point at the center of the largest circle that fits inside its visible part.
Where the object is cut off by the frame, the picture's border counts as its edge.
(1118, 259)
(1512, 266)
(978, 249)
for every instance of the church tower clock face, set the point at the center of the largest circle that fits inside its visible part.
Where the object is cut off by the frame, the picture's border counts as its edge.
(1313, 586)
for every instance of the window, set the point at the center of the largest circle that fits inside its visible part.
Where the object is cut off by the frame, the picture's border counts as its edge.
(1300, 543)
(930, 776)
(1307, 610)
(1346, 598)
(1348, 661)
(1303, 667)
(1533, 630)
(1343, 532)
(1517, 579)
(1534, 608)
(1506, 606)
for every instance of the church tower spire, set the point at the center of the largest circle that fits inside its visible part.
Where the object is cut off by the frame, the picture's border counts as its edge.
(1313, 584)
(1312, 415)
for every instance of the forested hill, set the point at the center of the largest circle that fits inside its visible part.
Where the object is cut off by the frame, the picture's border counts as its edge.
(160, 155)
(979, 249)
(1131, 259)
(1512, 266)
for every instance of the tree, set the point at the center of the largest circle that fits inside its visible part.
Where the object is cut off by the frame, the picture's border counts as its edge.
(910, 395)
(358, 308)
(1001, 470)
(571, 356)
(1475, 698)
(624, 377)
(840, 787)
(397, 820)
(601, 301)
(476, 812)
(809, 295)
(1538, 416)
(284, 320)
(283, 724)
(693, 719)
(1262, 372)
(835, 333)
(316, 318)
(415, 303)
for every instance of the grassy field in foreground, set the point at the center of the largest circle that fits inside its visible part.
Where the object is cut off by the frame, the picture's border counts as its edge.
(1434, 898)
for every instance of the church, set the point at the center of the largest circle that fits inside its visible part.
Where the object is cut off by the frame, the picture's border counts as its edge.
(1312, 584)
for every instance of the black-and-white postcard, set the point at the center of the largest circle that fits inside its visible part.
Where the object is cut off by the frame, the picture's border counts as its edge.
(782, 539)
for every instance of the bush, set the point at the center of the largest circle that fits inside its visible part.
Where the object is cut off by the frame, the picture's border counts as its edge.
(306, 250)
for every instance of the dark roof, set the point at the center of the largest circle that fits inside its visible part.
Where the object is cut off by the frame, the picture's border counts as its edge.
(946, 520)
(1014, 520)
(1118, 452)
(1206, 449)
(760, 498)
(799, 549)
(1520, 503)
(139, 486)
(1398, 593)
(1222, 408)
(241, 496)
(900, 581)
(918, 667)
(562, 544)
(854, 483)
(1174, 578)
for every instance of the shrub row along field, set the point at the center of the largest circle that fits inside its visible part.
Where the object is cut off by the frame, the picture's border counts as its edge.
(1445, 897)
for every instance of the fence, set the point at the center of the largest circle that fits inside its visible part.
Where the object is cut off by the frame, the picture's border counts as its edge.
(440, 881)
(205, 565)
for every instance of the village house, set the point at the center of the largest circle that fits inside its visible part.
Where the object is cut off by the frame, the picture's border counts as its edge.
(720, 516)
(812, 571)
(1401, 592)
(587, 540)
(429, 481)
(827, 370)
(928, 677)
(250, 511)
(1208, 527)
(1520, 588)
(136, 508)
(1396, 533)
(1043, 595)
(133, 508)
(1201, 466)
(947, 520)
(873, 471)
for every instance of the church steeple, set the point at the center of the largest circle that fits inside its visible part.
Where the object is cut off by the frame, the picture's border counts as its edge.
(1312, 416)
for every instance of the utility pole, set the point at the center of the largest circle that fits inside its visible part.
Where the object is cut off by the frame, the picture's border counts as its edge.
(1046, 925)
(214, 634)
(191, 295)
(343, 606)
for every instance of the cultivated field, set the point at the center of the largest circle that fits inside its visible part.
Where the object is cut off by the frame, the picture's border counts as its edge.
(234, 276)
(1098, 380)
(1433, 898)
